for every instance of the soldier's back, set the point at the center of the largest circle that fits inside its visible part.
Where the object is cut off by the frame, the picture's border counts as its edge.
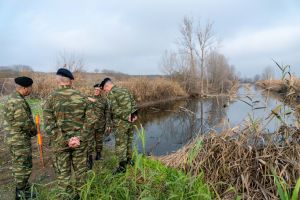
(69, 107)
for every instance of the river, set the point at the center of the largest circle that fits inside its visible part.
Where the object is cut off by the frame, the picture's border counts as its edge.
(171, 125)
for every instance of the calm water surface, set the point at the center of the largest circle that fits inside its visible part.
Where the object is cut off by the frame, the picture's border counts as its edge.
(170, 125)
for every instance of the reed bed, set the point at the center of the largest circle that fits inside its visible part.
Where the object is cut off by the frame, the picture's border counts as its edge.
(236, 164)
(146, 89)
(143, 89)
(280, 86)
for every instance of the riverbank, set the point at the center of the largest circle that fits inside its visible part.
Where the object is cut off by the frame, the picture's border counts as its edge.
(243, 163)
(280, 86)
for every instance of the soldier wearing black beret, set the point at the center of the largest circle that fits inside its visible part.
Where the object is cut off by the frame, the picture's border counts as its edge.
(102, 123)
(97, 85)
(65, 73)
(20, 128)
(23, 81)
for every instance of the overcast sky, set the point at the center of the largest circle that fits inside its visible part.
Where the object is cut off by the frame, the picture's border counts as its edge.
(131, 36)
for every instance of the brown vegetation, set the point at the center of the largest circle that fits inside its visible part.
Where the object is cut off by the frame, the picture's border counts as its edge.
(288, 88)
(236, 164)
(144, 89)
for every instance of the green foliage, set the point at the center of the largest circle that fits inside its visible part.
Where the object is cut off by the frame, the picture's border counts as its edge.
(284, 190)
(148, 179)
(194, 151)
(285, 70)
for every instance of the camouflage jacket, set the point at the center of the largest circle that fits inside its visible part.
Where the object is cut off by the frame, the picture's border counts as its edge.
(66, 114)
(121, 103)
(102, 112)
(18, 121)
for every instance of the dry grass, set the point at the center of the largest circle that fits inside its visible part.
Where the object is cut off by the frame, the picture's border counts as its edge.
(144, 89)
(233, 164)
(281, 86)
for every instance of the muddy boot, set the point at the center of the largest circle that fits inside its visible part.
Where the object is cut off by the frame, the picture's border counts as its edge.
(90, 162)
(20, 194)
(130, 162)
(98, 156)
(121, 168)
(29, 193)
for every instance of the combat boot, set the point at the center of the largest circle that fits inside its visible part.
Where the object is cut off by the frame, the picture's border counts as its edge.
(20, 194)
(130, 162)
(98, 156)
(90, 162)
(121, 168)
(29, 194)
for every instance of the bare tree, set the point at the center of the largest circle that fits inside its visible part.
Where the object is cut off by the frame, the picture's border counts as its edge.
(206, 42)
(71, 61)
(221, 74)
(187, 43)
(168, 63)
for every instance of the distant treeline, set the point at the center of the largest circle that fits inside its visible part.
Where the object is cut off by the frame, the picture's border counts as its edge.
(13, 71)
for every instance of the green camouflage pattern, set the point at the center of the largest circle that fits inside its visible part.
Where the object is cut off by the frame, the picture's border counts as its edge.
(124, 138)
(20, 127)
(102, 120)
(122, 104)
(67, 114)
(103, 115)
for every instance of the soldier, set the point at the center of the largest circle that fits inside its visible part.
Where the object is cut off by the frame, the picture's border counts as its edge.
(102, 123)
(67, 121)
(124, 113)
(18, 123)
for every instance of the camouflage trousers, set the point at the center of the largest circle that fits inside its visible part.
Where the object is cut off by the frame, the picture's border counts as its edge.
(21, 164)
(95, 141)
(64, 161)
(124, 138)
(99, 136)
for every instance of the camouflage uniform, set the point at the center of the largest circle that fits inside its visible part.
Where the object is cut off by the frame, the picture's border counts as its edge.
(18, 123)
(103, 120)
(66, 114)
(122, 104)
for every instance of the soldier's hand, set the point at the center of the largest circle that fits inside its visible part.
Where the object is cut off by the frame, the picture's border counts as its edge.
(132, 118)
(74, 142)
(91, 99)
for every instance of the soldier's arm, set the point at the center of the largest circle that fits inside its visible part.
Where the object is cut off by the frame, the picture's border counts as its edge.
(133, 104)
(9, 112)
(108, 119)
(19, 120)
(49, 118)
(89, 122)
(123, 103)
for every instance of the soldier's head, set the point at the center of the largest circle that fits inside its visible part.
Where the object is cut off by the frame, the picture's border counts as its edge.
(106, 84)
(64, 77)
(97, 89)
(24, 85)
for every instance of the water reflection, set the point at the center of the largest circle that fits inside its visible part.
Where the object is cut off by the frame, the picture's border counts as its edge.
(171, 125)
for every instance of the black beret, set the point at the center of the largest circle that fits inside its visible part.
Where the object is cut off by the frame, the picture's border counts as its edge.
(97, 85)
(64, 72)
(23, 81)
